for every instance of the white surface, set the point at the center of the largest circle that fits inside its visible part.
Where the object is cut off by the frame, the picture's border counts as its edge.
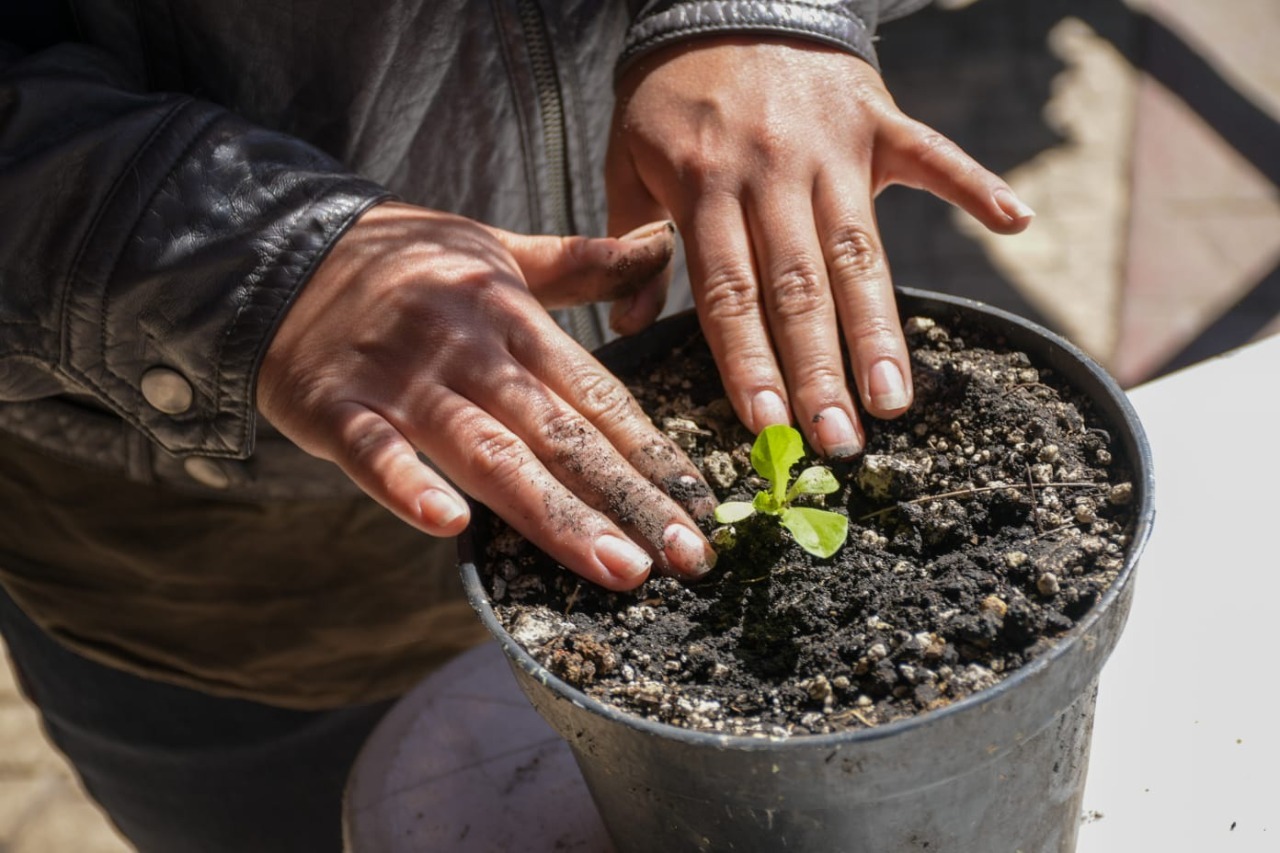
(464, 764)
(1186, 742)
(1186, 747)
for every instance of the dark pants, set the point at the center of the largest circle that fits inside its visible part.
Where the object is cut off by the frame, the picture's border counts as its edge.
(178, 770)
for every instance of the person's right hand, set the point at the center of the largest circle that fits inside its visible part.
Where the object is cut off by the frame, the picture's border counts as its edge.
(768, 152)
(424, 332)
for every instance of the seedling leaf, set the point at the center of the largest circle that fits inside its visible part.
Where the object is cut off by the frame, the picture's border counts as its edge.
(818, 531)
(813, 481)
(776, 449)
(733, 511)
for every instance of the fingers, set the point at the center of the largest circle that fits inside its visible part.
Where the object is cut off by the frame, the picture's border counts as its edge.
(605, 441)
(727, 295)
(631, 208)
(419, 337)
(493, 465)
(863, 292)
(606, 404)
(919, 156)
(565, 271)
(819, 268)
(382, 462)
(546, 467)
(548, 472)
(632, 312)
(631, 205)
(802, 314)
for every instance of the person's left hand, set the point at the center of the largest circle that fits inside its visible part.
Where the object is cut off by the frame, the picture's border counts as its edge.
(768, 155)
(419, 357)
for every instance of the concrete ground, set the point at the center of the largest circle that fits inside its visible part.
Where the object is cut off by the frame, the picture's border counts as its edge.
(1144, 133)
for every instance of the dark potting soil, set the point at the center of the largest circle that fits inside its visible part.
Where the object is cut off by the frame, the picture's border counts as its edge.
(983, 524)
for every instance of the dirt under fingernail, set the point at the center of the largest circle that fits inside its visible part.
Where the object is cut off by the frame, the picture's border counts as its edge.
(686, 552)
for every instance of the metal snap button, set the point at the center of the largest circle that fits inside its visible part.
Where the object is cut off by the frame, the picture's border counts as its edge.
(207, 472)
(167, 390)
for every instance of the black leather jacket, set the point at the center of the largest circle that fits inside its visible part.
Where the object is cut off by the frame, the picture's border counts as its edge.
(172, 172)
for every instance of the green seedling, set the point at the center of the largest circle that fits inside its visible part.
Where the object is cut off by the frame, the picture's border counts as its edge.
(818, 531)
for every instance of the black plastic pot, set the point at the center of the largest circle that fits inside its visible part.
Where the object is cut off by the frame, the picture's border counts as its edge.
(1002, 770)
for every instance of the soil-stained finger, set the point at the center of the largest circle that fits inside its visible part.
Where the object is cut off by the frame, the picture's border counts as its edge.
(586, 462)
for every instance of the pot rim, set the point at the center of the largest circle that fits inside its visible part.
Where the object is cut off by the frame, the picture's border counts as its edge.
(1143, 475)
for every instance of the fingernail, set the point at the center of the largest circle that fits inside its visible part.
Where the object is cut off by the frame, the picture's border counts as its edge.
(622, 558)
(439, 508)
(886, 387)
(767, 408)
(1013, 207)
(686, 551)
(836, 434)
(653, 229)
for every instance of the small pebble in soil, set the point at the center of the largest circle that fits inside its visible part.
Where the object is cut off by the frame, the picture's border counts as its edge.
(1047, 584)
(994, 605)
(720, 470)
(1121, 494)
(724, 538)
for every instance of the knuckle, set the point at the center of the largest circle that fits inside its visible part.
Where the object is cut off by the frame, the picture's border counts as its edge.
(700, 157)
(599, 477)
(663, 463)
(700, 172)
(819, 381)
(575, 248)
(937, 152)
(568, 434)
(929, 143)
(772, 145)
(500, 457)
(603, 399)
(730, 294)
(560, 424)
(854, 253)
(876, 330)
(694, 160)
(798, 291)
(366, 445)
(450, 339)
(494, 296)
(657, 455)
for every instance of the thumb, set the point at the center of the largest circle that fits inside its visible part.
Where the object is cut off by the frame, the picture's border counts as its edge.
(567, 271)
(631, 206)
(920, 157)
(635, 310)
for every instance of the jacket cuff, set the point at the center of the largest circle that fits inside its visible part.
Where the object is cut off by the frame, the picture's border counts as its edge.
(846, 25)
(189, 268)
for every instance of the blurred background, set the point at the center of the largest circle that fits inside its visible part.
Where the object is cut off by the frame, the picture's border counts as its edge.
(1145, 134)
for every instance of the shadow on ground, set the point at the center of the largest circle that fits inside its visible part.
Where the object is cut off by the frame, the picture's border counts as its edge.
(982, 75)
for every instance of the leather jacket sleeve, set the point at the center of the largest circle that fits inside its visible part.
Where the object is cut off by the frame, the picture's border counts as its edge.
(150, 234)
(846, 24)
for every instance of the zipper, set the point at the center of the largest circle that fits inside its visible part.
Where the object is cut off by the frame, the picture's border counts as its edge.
(582, 320)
